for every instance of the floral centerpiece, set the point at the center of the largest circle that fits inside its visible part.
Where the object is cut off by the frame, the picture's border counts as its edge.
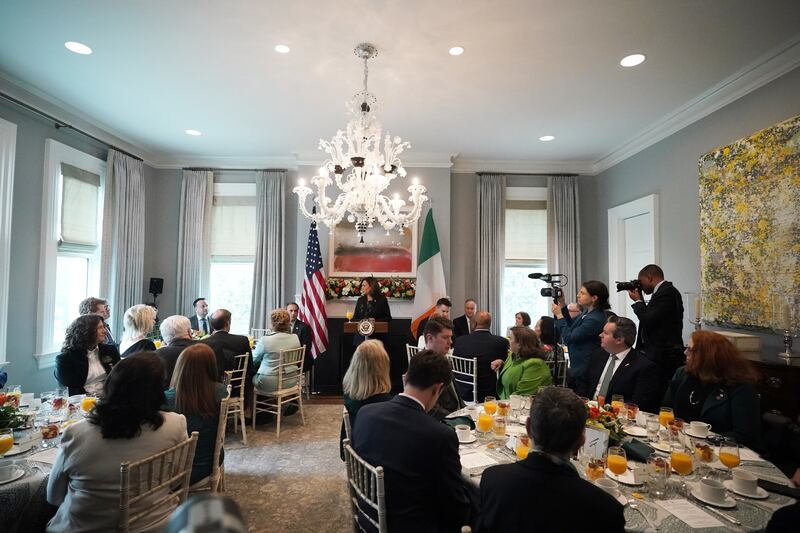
(10, 416)
(604, 417)
(397, 288)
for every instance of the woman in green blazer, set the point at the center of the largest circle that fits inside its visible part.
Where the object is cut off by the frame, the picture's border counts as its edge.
(524, 371)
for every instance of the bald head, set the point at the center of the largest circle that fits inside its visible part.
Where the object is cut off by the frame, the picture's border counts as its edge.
(483, 320)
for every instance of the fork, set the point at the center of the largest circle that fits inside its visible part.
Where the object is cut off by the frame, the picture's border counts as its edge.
(633, 504)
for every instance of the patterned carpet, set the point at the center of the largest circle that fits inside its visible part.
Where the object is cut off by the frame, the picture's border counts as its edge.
(296, 484)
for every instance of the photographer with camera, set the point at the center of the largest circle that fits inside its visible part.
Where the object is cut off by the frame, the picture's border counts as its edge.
(660, 321)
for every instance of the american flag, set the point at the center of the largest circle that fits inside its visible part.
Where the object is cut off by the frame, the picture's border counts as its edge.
(312, 302)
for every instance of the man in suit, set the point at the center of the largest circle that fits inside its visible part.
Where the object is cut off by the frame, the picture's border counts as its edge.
(441, 309)
(660, 323)
(199, 320)
(176, 332)
(303, 332)
(616, 368)
(438, 337)
(555, 496)
(424, 488)
(487, 347)
(227, 346)
(465, 324)
(99, 307)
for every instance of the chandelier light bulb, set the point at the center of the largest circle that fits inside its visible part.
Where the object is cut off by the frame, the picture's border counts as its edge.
(323, 171)
(301, 182)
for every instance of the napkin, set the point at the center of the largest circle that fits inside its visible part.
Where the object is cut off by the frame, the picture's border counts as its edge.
(637, 451)
(46, 456)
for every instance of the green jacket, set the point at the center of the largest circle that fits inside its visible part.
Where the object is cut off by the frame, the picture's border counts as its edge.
(523, 376)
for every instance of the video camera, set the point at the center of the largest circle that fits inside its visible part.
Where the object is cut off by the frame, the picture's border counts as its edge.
(556, 281)
(632, 285)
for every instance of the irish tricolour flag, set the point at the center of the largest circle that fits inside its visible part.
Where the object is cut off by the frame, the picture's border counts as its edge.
(430, 274)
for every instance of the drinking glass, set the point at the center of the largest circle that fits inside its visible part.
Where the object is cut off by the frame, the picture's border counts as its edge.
(87, 403)
(658, 472)
(617, 460)
(484, 423)
(675, 427)
(517, 402)
(523, 446)
(595, 468)
(6, 441)
(631, 410)
(59, 400)
(665, 414)
(617, 402)
(49, 430)
(349, 315)
(157, 342)
(682, 462)
(729, 454)
(490, 405)
(652, 426)
(13, 394)
(499, 427)
(503, 406)
(705, 455)
(601, 401)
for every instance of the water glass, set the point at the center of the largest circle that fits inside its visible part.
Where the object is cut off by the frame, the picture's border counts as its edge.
(652, 426)
(658, 471)
(48, 427)
(631, 410)
(499, 427)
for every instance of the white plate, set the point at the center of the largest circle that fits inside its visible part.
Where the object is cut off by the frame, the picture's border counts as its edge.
(21, 448)
(625, 479)
(635, 431)
(760, 494)
(727, 504)
(689, 433)
(16, 473)
(662, 446)
(470, 440)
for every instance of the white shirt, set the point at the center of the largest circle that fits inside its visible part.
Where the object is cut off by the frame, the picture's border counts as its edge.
(620, 358)
(200, 323)
(416, 400)
(96, 376)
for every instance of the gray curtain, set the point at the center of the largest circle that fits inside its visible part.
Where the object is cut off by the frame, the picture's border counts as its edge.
(197, 191)
(268, 265)
(122, 264)
(491, 244)
(564, 234)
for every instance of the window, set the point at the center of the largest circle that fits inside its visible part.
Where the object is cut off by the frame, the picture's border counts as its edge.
(72, 216)
(8, 149)
(526, 252)
(233, 248)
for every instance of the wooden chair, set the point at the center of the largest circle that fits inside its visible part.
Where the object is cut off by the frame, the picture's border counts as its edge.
(161, 481)
(290, 367)
(216, 481)
(347, 428)
(365, 484)
(558, 365)
(236, 378)
(411, 351)
(465, 370)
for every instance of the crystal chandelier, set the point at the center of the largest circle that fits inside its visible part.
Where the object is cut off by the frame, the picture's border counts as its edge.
(362, 168)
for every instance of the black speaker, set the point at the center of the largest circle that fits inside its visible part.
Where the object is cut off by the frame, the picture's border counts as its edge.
(156, 286)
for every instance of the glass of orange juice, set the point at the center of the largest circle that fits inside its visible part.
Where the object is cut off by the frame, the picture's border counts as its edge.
(157, 343)
(523, 446)
(682, 462)
(617, 402)
(6, 441)
(88, 403)
(665, 415)
(617, 460)
(490, 405)
(349, 315)
(485, 422)
(729, 454)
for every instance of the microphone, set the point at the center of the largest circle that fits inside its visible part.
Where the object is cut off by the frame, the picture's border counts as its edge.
(547, 278)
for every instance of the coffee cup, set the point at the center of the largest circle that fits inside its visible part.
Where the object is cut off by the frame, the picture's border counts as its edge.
(516, 402)
(699, 429)
(463, 432)
(712, 490)
(608, 485)
(745, 482)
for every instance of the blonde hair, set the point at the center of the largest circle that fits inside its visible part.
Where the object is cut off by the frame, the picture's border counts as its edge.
(279, 319)
(138, 321)
(368, 373)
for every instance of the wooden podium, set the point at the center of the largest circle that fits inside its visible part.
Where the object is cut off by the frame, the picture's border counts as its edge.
(352, 327)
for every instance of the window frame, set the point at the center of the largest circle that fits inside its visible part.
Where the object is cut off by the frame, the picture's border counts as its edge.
(8, 148)
(55, 154)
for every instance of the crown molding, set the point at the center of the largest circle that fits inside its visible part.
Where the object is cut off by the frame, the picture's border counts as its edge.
(471, 166)
(229, 162)
(768, 67)
(410, 159)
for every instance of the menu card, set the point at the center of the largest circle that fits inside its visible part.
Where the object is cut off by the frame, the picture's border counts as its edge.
(689, 513)
(476, 460)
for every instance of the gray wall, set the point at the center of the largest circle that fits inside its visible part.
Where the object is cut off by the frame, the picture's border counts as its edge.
(669, 168)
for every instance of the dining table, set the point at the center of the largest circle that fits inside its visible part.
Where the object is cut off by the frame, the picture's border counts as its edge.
(671, 513)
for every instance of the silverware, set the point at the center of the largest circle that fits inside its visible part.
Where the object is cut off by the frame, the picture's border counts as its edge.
(633, 504)
(722, 515)
(750, 502)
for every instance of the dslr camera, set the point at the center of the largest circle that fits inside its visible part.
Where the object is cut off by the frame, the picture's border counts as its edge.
(632, 285)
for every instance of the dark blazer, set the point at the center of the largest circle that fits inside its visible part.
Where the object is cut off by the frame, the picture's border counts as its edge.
(637, 379)
(660, 334)
(227, 346)
(486, 347)
(72, 367)
(144, 345)
(424, 488)
(303, 332)
(460, 326)
(377, 309)
(353, 407)
(196, 323)
(581, 335)
(169, 354)
(557, 500)
(733, 410)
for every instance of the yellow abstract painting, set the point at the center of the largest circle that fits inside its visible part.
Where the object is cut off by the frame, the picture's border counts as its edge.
(750, 227)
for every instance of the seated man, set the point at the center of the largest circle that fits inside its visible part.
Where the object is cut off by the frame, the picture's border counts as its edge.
(465, 324)
(487, 347)
(424, 487)
(616, 368)
(555, 496)
(176, 334)
(438, 337)
(226, 346)
(442, 309)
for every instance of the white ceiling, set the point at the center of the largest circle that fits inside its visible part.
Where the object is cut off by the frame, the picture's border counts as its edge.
(530, 68)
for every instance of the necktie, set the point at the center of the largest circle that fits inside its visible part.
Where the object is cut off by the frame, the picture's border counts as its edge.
(612, 359)
(203, 325)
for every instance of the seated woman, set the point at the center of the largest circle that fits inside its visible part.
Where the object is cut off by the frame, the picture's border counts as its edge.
(366, 380)
(521, 319)
(267, 355)
(717, 386)
(195, 393)
(138, 323)
(524, 371)
(84, 362)
(126, 425)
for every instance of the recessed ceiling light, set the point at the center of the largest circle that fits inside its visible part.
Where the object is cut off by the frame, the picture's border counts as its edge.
(282, 49)
(78, 48)
(456, 50)
(546, 138)
(194, 133)
(632, 60)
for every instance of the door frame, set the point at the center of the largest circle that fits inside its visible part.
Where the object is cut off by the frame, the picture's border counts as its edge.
(616, 245)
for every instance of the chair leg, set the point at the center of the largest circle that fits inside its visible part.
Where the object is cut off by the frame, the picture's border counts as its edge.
(255, 407)
(300, 405)
(244, 425)
(278, 415)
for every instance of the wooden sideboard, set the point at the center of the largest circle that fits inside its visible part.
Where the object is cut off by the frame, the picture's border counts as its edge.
(779, 385)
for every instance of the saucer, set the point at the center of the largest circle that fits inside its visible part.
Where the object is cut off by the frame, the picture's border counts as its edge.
(635, 431)
(626, 478)
(16, 473)
(728, 503)
(21, 448)
(695, 436)
(760, 494)
(469, 440)
(662, 446)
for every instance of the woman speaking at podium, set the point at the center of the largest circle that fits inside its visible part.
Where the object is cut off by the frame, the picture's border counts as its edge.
(371, 305)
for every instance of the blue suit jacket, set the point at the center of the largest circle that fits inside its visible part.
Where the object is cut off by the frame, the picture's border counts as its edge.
(581, 335)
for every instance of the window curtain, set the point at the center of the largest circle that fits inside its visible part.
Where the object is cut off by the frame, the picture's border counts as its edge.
(122, 263)
(563, 231)
(268, 265)
(491, 244)
(197, 191)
